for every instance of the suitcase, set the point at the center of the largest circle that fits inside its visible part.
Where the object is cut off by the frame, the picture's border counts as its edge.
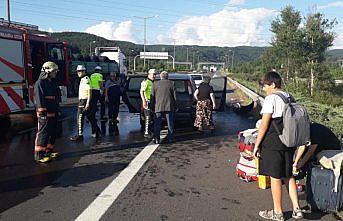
(246, 145)
(246, 169)
(320, 190)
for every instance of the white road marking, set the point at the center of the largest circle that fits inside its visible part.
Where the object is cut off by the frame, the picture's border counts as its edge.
(107, 197)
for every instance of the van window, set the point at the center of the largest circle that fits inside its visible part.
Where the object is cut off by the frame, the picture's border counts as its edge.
(196, 77)
(135, 84)
(180, 86)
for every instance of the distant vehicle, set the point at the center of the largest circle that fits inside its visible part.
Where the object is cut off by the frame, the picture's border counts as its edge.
(197, 78)
(90, 63)
(185, 88)
(115, 54)
(213, 69)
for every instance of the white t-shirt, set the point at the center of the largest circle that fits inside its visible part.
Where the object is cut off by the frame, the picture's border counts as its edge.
(84, 88)
(273, 104)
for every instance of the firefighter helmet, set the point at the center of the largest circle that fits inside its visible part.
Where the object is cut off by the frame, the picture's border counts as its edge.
(49, 67)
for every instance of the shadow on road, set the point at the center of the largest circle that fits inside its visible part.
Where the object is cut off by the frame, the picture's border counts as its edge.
(31, 186)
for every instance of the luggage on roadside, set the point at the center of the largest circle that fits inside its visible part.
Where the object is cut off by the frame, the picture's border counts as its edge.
(246, 142)
(320, 190)
(246, 169)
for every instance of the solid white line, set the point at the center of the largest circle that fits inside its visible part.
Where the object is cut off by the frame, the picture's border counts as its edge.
(107, 197)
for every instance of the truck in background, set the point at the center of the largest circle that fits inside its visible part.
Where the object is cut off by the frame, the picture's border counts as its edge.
(115, 54)
(23, 50)
(90, 63)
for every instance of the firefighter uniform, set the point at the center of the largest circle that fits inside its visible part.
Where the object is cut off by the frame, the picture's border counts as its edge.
(47, 96)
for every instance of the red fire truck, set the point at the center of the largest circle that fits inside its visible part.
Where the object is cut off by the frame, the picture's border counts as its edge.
(23, 50)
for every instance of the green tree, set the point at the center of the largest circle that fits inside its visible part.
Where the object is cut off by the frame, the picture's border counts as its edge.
(288, 39)
(318, 38)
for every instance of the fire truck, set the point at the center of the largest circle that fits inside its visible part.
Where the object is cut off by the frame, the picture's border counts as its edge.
(23, 50)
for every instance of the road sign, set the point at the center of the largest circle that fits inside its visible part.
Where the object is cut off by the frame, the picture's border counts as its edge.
(154, 55)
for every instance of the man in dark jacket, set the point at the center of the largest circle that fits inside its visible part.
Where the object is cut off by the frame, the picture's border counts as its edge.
(47, 97)
(164, 103)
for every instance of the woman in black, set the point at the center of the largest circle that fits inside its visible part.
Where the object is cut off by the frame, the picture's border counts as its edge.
(205, 104)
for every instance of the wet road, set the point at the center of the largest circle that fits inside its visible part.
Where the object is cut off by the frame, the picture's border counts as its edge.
(191, 179)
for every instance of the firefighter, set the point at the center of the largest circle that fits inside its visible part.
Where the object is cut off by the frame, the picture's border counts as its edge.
(85, 107)
(97, 84)
(145, 92)
(47, 97)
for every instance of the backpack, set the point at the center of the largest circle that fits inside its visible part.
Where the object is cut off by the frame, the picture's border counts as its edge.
(296, 123)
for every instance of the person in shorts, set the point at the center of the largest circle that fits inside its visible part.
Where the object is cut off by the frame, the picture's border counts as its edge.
(276, 159)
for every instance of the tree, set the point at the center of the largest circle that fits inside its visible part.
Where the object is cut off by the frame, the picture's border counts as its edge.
(318, 37)
(287, 40)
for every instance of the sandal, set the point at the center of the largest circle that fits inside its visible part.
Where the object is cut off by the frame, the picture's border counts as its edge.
(270, 214)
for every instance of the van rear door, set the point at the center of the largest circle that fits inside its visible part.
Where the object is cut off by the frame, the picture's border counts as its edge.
(132, 96)
(219, 88)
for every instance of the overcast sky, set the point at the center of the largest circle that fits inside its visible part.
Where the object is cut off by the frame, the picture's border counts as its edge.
(192, 22)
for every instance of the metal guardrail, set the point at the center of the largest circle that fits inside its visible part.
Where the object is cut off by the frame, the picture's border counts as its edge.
(251, 94)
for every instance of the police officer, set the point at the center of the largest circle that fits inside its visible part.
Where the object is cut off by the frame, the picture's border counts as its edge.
(97, 84)
(145, 92)
(85, 107)
(47, 97)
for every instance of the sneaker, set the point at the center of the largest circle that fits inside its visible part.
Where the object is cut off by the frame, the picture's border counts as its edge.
(297, 214)
(93, 135)
(201, 129)
(41, 157)
(156, 141)
(270, 214)
(212, 128)
(76, 138)
(52, 154)
(146, 135)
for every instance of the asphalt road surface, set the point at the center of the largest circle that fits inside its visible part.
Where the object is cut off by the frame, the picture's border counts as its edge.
(190, 179)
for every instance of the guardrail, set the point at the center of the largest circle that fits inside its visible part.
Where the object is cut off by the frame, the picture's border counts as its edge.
(251, 94)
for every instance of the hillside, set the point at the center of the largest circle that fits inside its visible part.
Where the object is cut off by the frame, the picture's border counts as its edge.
(80, 44)
(335, 54)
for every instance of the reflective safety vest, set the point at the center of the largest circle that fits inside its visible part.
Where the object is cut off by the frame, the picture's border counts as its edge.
(96, 79)
(85, 86)
(147, 86)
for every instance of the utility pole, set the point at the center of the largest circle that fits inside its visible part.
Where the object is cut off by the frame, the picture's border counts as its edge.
(8, 12)
(233, 54)
(174, 49)
(90, 47)
(187, 55)
(145, 18)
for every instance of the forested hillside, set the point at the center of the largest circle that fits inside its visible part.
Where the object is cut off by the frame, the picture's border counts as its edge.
(80, 43)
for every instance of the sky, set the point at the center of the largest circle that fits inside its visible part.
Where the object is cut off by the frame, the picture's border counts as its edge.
(181, 22)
